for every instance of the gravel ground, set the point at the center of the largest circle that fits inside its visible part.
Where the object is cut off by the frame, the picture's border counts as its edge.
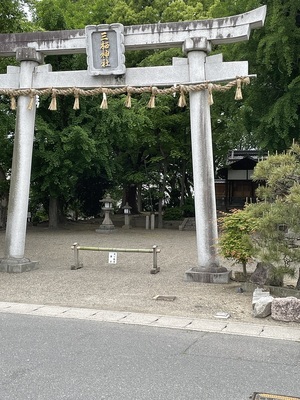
(127, 285)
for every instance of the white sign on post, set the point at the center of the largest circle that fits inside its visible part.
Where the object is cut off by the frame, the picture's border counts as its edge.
(112, 257)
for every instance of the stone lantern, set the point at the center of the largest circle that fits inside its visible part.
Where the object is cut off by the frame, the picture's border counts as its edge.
(127, 212)
(107, 225)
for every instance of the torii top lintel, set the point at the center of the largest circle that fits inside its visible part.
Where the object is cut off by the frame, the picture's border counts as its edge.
(137, 37)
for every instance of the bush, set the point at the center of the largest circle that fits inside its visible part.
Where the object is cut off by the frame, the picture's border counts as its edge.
(173, 214)
(188, 208)
(235, 241)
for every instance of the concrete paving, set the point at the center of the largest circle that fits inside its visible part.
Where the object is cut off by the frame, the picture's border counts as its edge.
(191, 324)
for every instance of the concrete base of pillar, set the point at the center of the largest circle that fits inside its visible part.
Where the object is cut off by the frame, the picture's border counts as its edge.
(15, 265)
(126, 227)
(208, 275)
(106, 229)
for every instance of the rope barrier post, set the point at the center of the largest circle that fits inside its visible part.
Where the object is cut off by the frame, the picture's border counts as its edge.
(155, 268)
(77, 265)
(152, 221)
(147, 221)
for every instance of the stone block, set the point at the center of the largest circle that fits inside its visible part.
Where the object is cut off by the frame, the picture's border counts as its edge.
(286, 309)
(275, 291)
(258, 294)
(194, 275)
(262, 307)
(17, 266)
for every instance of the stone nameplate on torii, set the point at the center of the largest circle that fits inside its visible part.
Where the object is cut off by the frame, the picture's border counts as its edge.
(195, 38)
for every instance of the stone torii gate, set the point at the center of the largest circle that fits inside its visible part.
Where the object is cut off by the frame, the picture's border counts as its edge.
(105, 45)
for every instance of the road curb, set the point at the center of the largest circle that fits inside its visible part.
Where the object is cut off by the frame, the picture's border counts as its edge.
(158, 321)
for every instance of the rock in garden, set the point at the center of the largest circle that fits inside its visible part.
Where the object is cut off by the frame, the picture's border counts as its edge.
(265, 274)
(262, 308)
(258, 294)
(286, 309)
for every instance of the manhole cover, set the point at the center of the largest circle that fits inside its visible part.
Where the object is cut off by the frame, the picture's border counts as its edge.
(270, 396)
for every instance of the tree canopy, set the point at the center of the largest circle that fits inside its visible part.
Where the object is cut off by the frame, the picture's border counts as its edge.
(12, 19)
(269, 114)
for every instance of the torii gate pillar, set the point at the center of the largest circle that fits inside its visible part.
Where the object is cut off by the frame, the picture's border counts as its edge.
(203, 167)
(14, 260)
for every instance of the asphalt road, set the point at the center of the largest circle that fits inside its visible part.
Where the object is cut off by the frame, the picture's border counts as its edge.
(43, 358)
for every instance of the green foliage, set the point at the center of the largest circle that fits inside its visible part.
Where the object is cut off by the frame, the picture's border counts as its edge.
(279, 212)
(277, 274)
(235, 242)
(269, 229)
(173, 214)
(268, 115)
(12, 16)
(4, 187)
(6, 135)
(281, 172)
(178, 212)
(12, 19)
(273, 241)
(221, 8)
(127, 12)
(59, 158)
(278, 83)
(189, 207)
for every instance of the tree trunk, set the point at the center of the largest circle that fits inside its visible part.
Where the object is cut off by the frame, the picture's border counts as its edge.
(244, 264)
(298, 282)
(3, 212)
(53, 212)
(139, 198)
(130, 197)
(182, 183)
(3, 202)
(160, 216)
(161, 197)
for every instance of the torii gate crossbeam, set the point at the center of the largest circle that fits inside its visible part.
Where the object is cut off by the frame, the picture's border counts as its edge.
(140, 37)
(196, 38)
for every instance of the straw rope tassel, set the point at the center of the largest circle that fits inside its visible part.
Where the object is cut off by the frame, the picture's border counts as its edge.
(210, 95)
(238, 93)
(128, 99)
(53, 103)
(76, 101)
(104, 104)
(31, 101)
(13, 103)
(151, 103)
(246, 80)
(181, 100)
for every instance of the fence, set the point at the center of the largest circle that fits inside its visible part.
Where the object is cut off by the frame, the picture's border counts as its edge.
(76, 247)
